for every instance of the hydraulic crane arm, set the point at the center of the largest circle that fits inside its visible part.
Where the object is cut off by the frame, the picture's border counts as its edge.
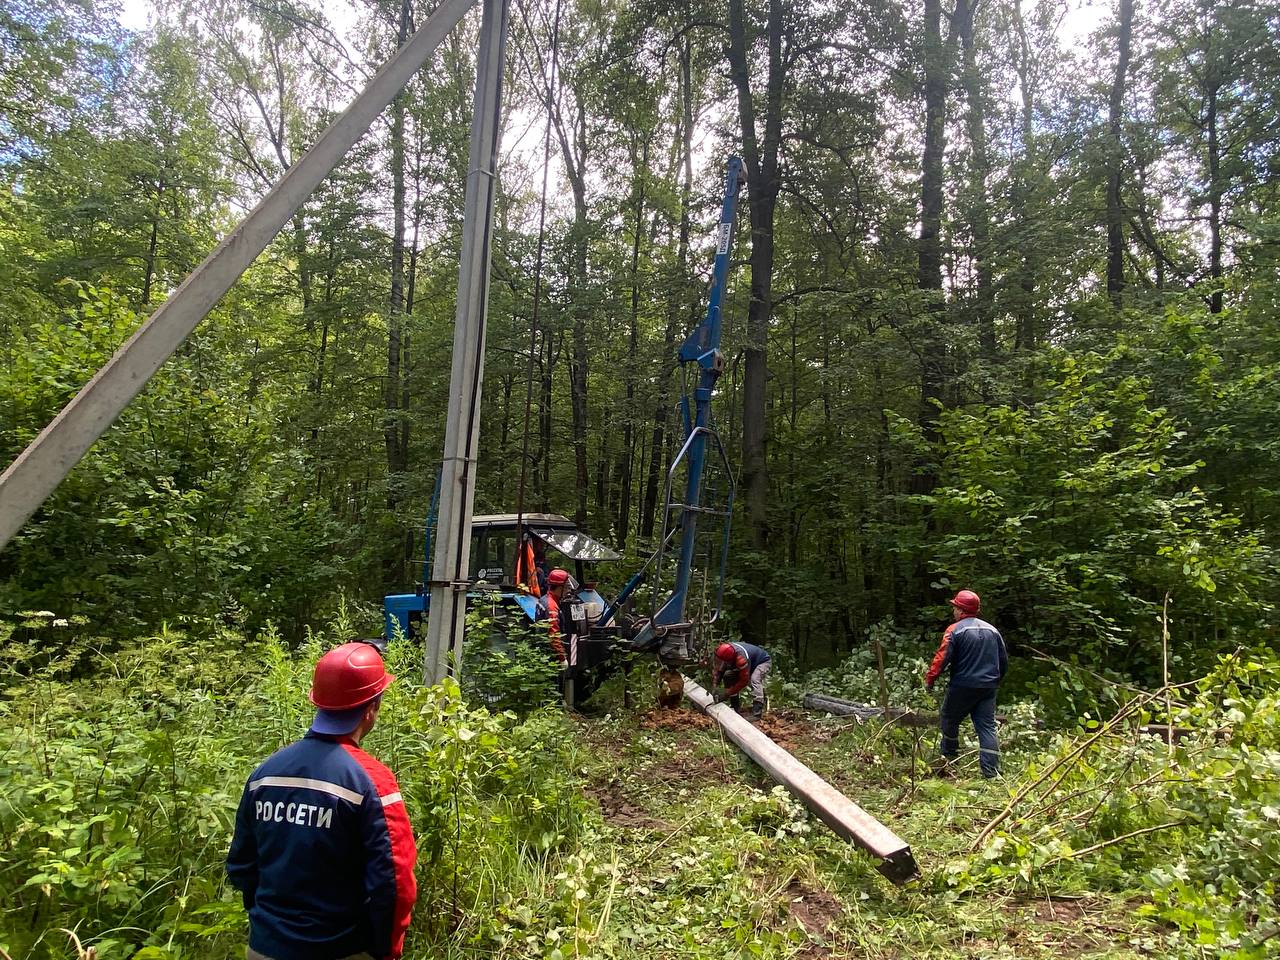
(703, 348)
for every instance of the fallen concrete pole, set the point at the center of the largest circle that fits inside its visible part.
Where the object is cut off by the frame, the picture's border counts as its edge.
(831, 806)
(903, 716)
(866, 711)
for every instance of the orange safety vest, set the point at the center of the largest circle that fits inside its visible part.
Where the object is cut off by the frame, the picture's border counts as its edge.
(527, 569)
(553, 625)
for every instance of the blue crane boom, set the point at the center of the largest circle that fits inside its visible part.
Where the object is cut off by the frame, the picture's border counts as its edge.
(668, 630)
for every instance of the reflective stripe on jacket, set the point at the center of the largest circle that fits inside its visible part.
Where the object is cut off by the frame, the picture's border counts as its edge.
(323, 854)
(975, 653)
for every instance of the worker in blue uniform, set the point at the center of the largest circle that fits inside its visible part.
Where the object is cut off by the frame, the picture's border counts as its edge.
(323, 853)
(974, 653)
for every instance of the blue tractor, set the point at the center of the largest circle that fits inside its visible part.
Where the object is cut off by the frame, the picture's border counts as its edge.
(495, 543)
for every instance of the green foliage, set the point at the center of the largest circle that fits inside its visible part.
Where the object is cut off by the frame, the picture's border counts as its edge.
(184, 505)
(857, 676)
(1075, 516)
(1193, 825)
(508, 662)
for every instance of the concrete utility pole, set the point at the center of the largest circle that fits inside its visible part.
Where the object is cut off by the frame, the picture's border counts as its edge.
(52, 455)
(446, 615)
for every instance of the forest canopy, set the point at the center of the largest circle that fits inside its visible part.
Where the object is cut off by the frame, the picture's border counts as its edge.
(1003, 312)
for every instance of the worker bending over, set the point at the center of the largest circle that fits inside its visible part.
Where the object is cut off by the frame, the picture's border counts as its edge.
(323, 853)
(974, 652)
(738, 664)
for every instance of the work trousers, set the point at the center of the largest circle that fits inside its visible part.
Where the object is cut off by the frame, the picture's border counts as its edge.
(756, 682)
(980, 704)
(252, 954)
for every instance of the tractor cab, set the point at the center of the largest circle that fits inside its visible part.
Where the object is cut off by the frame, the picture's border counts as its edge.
(555, 541)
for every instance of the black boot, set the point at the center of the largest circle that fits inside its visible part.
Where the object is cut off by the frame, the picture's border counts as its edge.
(757, 710)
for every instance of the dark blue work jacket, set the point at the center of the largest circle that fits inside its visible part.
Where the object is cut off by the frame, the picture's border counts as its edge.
(323, 854)
(974, 651)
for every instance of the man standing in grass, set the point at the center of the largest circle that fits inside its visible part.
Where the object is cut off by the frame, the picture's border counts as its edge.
(974, 652)
(323, 852)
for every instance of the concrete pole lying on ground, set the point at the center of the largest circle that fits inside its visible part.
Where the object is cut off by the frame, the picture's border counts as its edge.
(847, 708)
(52, 455)
(831, 806)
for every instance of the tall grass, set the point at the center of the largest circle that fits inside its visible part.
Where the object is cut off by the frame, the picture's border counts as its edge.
(121, 782)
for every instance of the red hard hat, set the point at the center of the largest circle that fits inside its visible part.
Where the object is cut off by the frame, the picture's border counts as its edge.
(725, 651)
(967, 601)
(557, 577)
(348, 677)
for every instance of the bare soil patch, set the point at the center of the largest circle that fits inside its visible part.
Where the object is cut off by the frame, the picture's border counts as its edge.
(813, 908)
(619, 811)
(815, 911)
(692, 770)
(677, 721)
(783, 729)
(1073, 926)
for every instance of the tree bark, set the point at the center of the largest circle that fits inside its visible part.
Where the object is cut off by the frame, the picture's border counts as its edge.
(937, 68)
(626, 456)
(678, 302)
(573, 146)
(1215, 197)
(395, 432)
(979, 206)
(1115, 158)
(760, 155)
(1025, 196)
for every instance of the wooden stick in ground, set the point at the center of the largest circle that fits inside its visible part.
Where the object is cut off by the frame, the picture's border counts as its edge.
(1168, 700)
(884, 686)
(1073, 754)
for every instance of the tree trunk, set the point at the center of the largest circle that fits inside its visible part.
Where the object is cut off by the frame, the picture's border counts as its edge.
(393, 390)
(979, 206)
(626, 456)
(1115, 158)
(678, 301)
(1025, 194)
(573, 146)
(153, 243)
(760, 155)
(1215, 198)
(937, 67)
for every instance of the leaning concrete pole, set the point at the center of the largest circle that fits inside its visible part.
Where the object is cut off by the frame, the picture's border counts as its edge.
(51, 456)
(446, 615)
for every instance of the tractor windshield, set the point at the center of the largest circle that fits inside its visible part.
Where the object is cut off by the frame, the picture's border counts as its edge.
(574, 544)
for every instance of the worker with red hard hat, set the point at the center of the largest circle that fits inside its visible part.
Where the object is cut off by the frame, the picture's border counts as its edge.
(323, 853)
(738, 664)
(974, 652)
(554, 612)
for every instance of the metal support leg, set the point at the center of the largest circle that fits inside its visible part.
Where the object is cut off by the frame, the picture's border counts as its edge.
(447, 613)
(51, 456)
